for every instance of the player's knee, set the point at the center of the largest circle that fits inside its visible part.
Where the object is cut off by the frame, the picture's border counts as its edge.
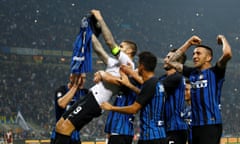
(64, 127)
(59, 123)
(60, 126)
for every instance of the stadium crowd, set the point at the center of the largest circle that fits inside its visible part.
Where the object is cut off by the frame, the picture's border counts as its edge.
(31, 91)
(54, 25)
(29, 87)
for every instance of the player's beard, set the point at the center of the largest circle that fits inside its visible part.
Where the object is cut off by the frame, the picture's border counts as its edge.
(168, 67)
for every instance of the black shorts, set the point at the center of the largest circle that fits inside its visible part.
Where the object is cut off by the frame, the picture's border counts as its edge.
(155, 141)
(207, 134)
(83, 111)
(120, 139)
(177, 137)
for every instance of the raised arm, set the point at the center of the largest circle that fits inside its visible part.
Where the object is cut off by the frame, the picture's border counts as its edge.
(194, 40)
(107, 77)
(227, 52)
(123, 80)
(63, 101)
(131, 109)
(98, 48)
(107, 35)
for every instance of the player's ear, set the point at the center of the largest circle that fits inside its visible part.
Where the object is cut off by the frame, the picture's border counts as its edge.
(209, 58)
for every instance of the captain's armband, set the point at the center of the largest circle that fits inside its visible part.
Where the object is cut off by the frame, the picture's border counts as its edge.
(115, 51)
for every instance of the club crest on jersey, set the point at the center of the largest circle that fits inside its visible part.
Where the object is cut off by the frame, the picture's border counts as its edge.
(200, 76)
(59, 94)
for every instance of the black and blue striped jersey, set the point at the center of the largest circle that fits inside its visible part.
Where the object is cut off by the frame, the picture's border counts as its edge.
(205, 94)
(152, 98)
(120, 123)
(175, 102)
(60, 92)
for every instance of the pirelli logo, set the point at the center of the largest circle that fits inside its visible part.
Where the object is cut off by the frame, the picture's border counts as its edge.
(199, 84)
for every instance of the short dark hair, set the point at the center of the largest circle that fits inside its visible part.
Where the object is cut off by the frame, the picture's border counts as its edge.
(182, 59)
(207, 48)
(148, 60)
(132, 45)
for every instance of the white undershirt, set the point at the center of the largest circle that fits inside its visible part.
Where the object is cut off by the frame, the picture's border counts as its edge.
(103, 91)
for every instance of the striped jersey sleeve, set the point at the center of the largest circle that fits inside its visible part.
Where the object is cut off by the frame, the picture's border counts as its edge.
(151, 115)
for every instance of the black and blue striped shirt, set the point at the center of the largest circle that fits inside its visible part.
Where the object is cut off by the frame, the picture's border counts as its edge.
(60, 92)
(175, 102)
(119, 123)
(205, 94)
(152, 98)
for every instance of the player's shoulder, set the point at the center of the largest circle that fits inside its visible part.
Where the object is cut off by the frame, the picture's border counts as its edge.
(62, 88)
(60, 91)
(85, 90)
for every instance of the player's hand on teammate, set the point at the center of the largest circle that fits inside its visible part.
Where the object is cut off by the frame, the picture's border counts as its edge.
(123, 80)
(106, 106)
(98, 76)
(127, 69)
